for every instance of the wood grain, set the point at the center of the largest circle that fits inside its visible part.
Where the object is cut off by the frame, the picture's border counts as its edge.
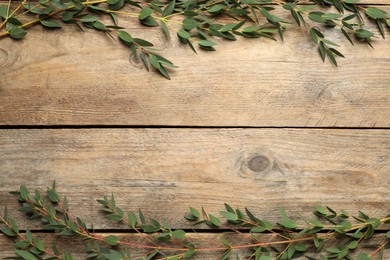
(92, 80)
(164, 171)
(200, 240)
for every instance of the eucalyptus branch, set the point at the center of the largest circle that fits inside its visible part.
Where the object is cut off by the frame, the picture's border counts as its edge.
(200, 22)
(289, 239)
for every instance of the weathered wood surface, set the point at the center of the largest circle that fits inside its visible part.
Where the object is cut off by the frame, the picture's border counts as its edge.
(164, 171)
(74, 78)
(201, 240)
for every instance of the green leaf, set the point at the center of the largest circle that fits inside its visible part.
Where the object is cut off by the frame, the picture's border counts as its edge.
(215, 221)
(286, 222)
(111, 240)
(250, 2)
(251, 29)
(317, 223)
(53, 195)
(343, 253)
(318, 209)
(189, 24)
(183, 34)
(23, 190)
(149, 21)
(258, 229)
(132, 219)
(165, 29)
(114, 217)
(89, 18)
(300, 247)
(188, 254)
(179, 234)
(23, 244)
(206, 43)
(154, 61)
(376, 13)
(99, 26)
(388, 234)
(333, 250)
(8, 232)
(169, 8)
(229, 215)
(330, 16)
(124, 37)
(39, 244)
(321, 48)
(4, 11)
(142, 42)
(50, 23)
(354, 244)
(164, 72)
(363, 34)
(363, 256)
(67, 256)
(29, 236)
(145, 12)
(216, 8)
(112, 2)
(316, 17)
(25, 255)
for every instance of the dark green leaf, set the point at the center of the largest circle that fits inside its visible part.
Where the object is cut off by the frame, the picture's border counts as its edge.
(29, 236)
(216, 8)
(165, 29)
(363, 256)
(4, 11)
(363, 34)
(258, 229)
(23, 244)
(25, 255)
(89, 19)
(206, 43)
(376, 13)
(321, 48)
(180, 234)
(132, 219)
(142, 42)
(145, 12)
(229, 215)
(149, 21)
(183, 34)
(215, 221)
(169, 8)
(39, 244)
(99, 26)
(50, 23)
(189, 24)
(164, 72)
(188, 254)
(111, 240)
(8, 232)
(354, 244)
(126, 38)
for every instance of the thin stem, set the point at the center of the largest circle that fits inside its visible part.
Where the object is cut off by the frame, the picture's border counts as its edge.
(9, 16)
(379, 248)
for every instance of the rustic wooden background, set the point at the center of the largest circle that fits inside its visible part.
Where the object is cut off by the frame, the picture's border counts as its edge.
(76, 108)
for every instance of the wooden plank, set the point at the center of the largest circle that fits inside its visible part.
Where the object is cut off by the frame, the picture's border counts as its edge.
(89, 80)
(164, 171)
(200, 240)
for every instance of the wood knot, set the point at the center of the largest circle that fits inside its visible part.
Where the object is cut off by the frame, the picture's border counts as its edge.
(255, 164)
(259, 163)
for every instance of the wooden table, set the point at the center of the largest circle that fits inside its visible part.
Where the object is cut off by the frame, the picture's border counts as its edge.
(257, 124)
